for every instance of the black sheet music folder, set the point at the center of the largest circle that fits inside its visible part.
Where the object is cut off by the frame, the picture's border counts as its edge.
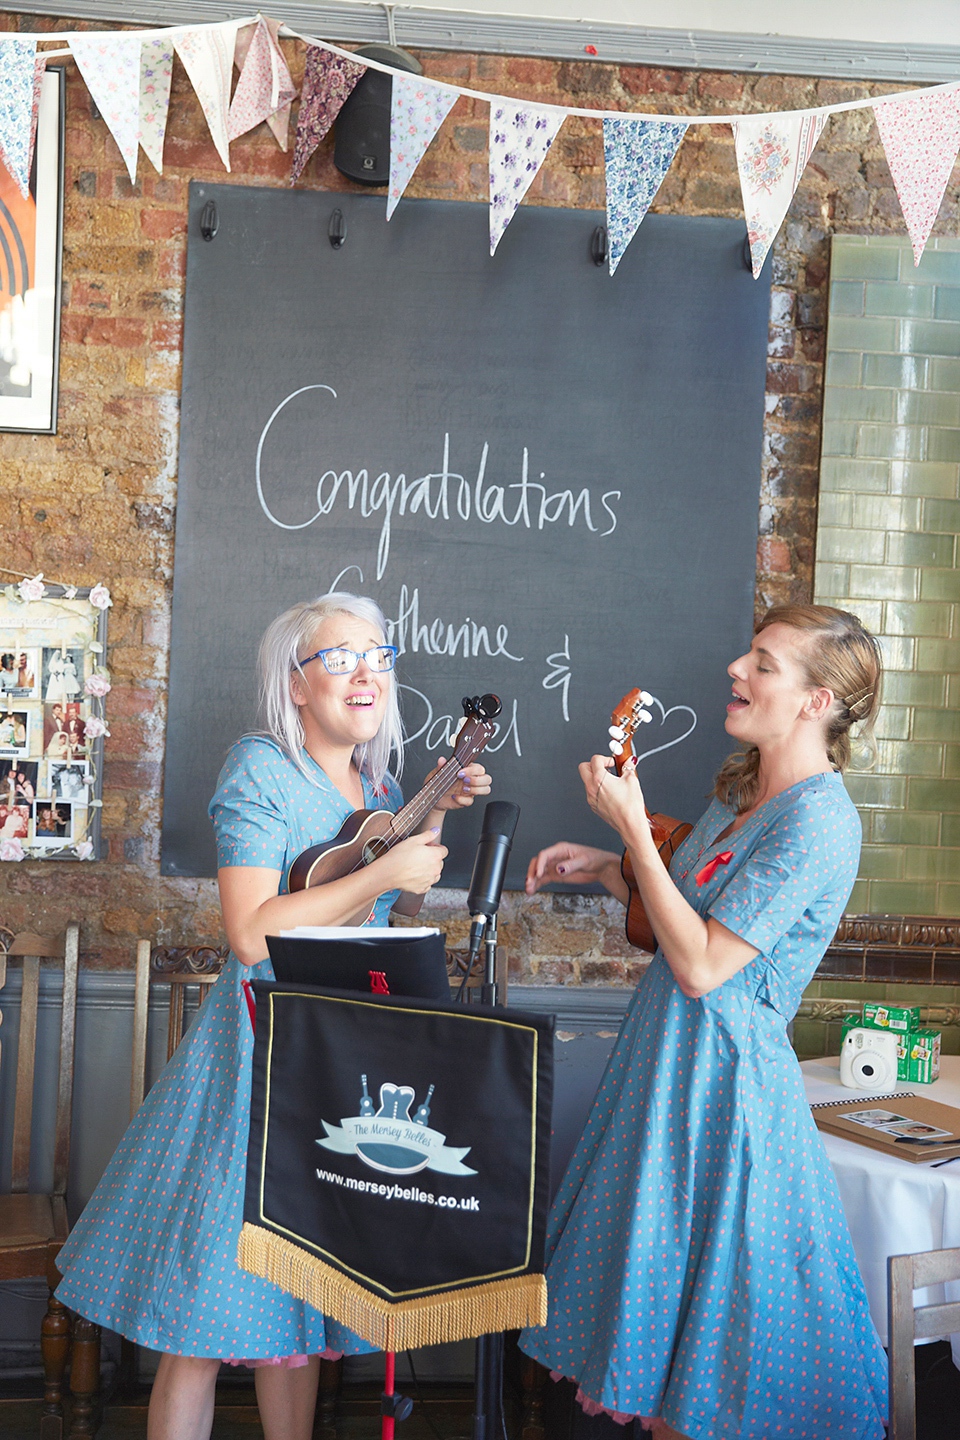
(395, 964)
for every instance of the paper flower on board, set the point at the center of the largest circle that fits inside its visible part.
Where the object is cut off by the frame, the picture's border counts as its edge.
(32, 589)
(11, 849)
(95, 727)
(84, 850)
(69, 592)
(97, 685)
(100, 597)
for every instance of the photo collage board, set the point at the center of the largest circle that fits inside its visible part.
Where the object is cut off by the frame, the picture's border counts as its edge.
(53, 684)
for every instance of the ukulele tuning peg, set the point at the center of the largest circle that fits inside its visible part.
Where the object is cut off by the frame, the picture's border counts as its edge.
(645, 697)
(645, 717)
(615, 747)
(615, 732)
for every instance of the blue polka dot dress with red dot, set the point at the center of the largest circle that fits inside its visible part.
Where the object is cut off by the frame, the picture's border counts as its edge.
(701, 1268)
(153, 1256)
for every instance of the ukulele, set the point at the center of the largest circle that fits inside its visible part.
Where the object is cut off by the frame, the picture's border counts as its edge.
(368, 834)
(668, 834)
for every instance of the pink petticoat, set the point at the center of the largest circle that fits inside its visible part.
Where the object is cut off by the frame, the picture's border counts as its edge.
(593, 1407)
(287, 1362)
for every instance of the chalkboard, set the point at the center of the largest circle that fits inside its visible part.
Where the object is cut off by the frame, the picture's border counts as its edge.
(546, 476)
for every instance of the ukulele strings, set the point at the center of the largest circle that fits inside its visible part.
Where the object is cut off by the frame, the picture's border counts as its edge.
(441, 784)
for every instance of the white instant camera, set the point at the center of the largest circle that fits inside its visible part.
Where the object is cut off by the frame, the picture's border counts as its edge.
(868, 1059)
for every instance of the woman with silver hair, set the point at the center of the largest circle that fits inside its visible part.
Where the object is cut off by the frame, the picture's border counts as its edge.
(154, 1254)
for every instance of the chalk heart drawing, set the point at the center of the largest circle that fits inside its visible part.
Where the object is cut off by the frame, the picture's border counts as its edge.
(671, 723)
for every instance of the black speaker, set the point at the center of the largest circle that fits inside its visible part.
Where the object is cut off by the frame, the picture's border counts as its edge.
(361, 143)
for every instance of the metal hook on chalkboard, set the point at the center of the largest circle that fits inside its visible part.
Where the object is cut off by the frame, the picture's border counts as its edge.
(209, 220)
(337, 230)
(598, 246)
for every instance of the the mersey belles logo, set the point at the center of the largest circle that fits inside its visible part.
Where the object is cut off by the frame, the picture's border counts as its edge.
(393, 1142)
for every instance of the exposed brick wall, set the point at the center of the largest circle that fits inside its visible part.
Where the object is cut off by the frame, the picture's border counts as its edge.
(97, 501)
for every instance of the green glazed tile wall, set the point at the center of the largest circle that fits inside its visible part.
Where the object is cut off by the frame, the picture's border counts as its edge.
(887, 549)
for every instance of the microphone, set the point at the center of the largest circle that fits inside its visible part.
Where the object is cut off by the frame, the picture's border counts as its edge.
(486, 885)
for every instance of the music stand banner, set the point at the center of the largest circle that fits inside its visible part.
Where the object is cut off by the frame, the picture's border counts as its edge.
(398, 1162)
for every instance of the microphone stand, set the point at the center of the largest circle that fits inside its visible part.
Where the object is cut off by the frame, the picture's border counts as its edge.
(488, 1363)
(489, 990)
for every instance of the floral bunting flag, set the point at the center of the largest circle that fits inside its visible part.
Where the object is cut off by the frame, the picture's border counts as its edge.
(520, 136)
(40, 66)
(264, 87)
(110, 66)
(17, 73)
(156, 68)
(637, 154)
(418, 110)
(921, 137)
(207, 55)
(327, 81)
(772, 154)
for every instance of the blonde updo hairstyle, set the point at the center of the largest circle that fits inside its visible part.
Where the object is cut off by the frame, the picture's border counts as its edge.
(288, 640)
(838, 653)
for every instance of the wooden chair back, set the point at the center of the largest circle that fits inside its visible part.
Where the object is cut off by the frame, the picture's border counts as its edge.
(32, 949)
(908, 1323)
(177, 966)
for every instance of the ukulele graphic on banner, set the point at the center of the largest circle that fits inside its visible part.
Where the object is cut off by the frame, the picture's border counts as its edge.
(390, 1140)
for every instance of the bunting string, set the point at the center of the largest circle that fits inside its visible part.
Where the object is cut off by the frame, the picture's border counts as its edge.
(128, 74)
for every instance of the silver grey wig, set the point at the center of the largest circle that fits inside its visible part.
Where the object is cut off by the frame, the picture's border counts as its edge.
(280, 648)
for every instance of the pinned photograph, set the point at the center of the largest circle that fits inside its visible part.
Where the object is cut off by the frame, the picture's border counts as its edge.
(15, 732)
(53, 822)
(18, 781)
(62, 676)
(64, 731)
(14, 821)
(70, 780)
(18, 673)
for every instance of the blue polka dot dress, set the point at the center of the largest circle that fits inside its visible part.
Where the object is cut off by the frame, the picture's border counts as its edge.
(701, 1269)
(153, 1256)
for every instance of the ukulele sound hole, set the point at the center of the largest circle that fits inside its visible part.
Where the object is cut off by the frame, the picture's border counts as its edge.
(373, 849)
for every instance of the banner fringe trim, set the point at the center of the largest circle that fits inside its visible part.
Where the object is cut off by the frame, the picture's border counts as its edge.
(437, 1319)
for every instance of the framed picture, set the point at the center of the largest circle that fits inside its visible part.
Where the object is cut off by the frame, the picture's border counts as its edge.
(31, 231)
(53, 688)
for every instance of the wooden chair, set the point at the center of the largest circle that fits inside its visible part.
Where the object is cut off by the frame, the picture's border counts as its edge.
(907, 1323)
(33, 1226)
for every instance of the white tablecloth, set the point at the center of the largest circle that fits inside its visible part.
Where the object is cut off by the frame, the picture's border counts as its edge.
(893, 1207)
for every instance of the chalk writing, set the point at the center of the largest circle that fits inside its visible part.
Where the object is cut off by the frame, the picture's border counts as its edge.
(559, 674)
(442, 495)
(440, 637)
(437, 729)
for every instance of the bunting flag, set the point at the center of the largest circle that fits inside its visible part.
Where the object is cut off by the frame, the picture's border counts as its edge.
(921, 137)
(110, 66)
(264, 87)
(207, 55)
(327, 81)
(772, 153)
(418, 110)
(520, 137)
(637, 154)
(40, 66)
(17, 81)
(156, 68)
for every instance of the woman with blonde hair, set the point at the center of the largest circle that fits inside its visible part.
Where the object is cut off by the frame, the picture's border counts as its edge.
(154, 1254)
(701, 1274)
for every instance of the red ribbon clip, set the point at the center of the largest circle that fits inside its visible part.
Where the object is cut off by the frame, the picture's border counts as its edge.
(709, 870)
(251, 1004)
